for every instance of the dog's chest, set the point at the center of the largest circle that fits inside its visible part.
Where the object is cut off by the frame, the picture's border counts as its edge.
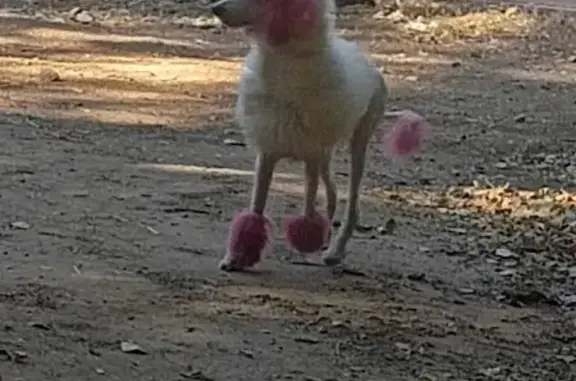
(304, 108)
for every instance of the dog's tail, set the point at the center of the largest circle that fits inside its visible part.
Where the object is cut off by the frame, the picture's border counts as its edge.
(406, 135)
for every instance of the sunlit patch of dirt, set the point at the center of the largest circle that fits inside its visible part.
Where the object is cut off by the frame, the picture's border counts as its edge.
(55, 40)
(179, 92)
(116, 76)
(125, 78)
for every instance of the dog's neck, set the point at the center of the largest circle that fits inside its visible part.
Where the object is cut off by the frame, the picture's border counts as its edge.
(293, 49)
(315, 43)
(310, 38)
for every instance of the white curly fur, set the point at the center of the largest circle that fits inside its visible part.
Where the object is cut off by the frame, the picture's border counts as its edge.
(299, 107)
(299, 101)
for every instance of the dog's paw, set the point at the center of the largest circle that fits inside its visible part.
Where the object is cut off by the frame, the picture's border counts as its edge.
(335, 254)
(331, 260)
(228, 265)
(247, 239)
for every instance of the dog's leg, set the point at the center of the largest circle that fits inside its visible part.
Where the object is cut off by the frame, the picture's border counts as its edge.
(252, 225)
(331, 190)
(358, 146)
(264, 172)
(308, 233)
(337, 250)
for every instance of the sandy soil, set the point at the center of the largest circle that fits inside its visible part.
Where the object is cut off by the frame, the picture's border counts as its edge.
(121, 169)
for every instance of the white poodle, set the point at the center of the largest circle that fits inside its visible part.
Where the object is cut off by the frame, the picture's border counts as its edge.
(303, 91)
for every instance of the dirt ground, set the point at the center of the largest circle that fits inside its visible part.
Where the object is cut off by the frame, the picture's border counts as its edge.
(121, 168)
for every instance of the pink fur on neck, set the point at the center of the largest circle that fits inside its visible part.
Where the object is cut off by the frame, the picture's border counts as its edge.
(288, 19)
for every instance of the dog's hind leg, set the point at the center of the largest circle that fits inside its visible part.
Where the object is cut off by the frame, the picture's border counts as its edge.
(337, 250)
(357, 147)
(249, 230)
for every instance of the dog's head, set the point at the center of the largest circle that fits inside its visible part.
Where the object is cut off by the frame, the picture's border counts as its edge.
(277, 22)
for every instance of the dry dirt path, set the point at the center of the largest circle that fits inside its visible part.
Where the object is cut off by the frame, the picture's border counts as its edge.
(121, 169)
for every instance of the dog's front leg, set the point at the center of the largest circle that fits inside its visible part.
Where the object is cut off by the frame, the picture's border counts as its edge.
(264, 171)
(249, 230)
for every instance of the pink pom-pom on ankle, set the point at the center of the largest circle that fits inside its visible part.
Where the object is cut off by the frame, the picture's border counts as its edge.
(307, 234)
(406, 135)
(247, 239)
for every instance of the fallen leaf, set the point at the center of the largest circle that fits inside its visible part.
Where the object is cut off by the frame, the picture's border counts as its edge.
(567, 359)
(338, 323)
(152, 230)
(508, 272)
(21, 225)
(417, 26)
(503, 252)
(364, 228)
(403, 346)
(457, 230)
(81, 16)
(466, 291)
(569, 300)
(78, 194)
(233, 142)
(306, 340)
(20, 356)
(42, 326)
(196, 375)
(511, 263)
(490, 372)
(246, 353)
(521, 118)
(394, 17)
(128, 347)
(511, 11)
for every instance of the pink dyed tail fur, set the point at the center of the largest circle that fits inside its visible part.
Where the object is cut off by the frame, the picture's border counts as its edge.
(406, 135)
